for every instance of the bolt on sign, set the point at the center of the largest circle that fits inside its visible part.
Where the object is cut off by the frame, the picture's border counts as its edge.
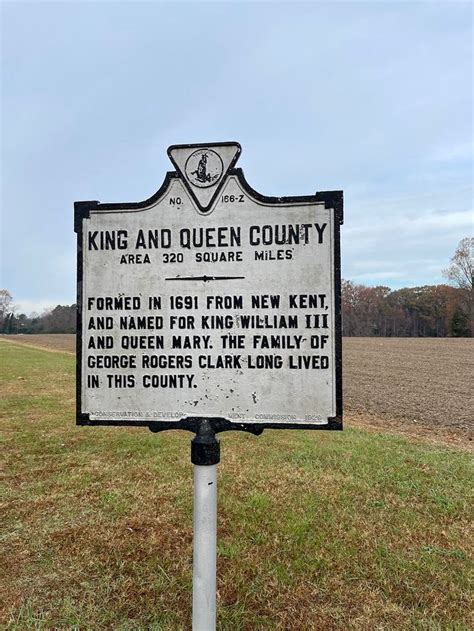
(210, 300)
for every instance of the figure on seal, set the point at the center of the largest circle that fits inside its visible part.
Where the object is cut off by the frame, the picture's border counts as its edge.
(201, 172)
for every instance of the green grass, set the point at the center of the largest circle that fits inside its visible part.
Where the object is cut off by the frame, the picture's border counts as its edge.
(350, 530)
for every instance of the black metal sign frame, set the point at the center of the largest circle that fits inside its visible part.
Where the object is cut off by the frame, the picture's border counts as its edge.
(332, 200)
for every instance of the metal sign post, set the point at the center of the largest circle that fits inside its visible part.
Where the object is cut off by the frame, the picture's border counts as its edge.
(209, 307)
(205, 456)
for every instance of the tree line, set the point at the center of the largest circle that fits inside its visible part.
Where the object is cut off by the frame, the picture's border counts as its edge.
(427, 311)
(61, 319)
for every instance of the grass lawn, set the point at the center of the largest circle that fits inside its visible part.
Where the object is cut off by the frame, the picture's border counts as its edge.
(350, 530)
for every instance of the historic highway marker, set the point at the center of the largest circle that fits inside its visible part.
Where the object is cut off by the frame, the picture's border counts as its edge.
(209, 307)
(210, 300)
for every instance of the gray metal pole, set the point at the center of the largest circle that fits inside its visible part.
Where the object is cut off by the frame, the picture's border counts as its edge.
(204, 549)
(205, 454)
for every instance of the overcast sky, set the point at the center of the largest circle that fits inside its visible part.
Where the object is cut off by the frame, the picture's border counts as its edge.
(374, 98)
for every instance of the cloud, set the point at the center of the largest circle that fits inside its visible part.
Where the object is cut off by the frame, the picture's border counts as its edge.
(414, 225)
(452, 153)
(406, 248)
(27, 306)
(373, 98)
(378, 275)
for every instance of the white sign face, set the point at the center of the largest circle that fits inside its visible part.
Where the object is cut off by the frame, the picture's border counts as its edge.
(210, 300)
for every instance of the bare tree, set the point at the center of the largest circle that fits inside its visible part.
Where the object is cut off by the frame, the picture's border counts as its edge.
(6, 310)
(461, 269)
(461, 273)
(6, 303)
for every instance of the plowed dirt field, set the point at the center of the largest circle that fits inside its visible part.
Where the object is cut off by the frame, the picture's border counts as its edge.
(421, 386)
(417, 386)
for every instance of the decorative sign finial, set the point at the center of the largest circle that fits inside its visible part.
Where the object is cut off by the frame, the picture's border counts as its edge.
(203, 168)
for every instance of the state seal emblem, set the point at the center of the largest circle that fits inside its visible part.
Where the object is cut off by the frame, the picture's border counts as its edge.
(204, 168)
